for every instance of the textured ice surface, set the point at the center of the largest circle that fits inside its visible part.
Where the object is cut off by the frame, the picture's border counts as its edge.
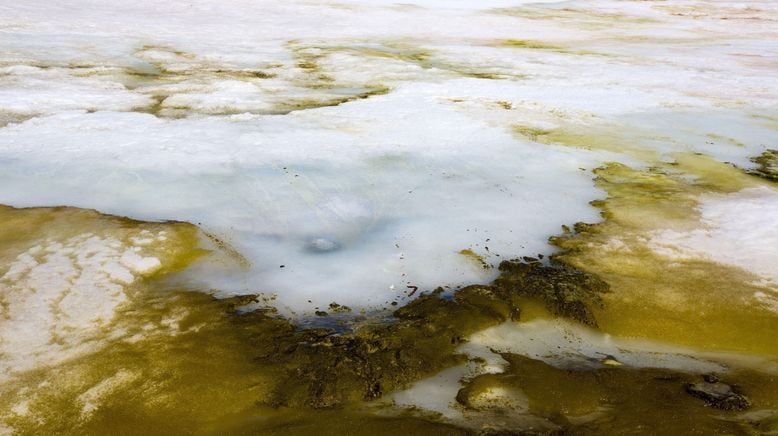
(740, 229)
(61, 296)
(362, 144)
(392, 202)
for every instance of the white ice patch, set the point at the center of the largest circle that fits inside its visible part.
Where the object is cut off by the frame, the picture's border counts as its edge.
(60, 296)
(435, 394)
(361, 200)
(28, 90)
(227, 96)
(739, 229)
(351, 200)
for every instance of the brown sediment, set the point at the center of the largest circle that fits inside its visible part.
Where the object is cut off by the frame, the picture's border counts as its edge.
(590, 20)
(339, 308)
(531, 44)
(768, 165)
(566, 291)
(176, 72)
(540, 45)
(7, 118)
(327, 370)
(227, 248)
(505, 104)
(329, 100)
(309, 58)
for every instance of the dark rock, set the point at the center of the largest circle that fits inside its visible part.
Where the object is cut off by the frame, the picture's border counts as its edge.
(718, 395)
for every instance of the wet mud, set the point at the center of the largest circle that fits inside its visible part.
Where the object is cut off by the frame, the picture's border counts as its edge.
(178, 360)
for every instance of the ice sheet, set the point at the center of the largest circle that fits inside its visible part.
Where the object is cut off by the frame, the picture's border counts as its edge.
(350, 149)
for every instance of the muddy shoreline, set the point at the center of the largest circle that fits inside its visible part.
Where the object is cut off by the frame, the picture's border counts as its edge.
(271, 374)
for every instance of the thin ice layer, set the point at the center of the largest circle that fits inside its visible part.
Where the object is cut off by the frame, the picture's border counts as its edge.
(738, 229)
(59, 296)
(67, 274)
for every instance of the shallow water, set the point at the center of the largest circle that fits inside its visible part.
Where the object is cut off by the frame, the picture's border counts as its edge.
(300, 177)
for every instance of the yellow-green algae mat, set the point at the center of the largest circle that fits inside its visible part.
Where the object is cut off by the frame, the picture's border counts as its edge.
(161, 359)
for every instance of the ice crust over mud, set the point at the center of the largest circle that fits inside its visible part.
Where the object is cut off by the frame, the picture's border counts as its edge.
(60, 296)
(738, 229)
(383, 131)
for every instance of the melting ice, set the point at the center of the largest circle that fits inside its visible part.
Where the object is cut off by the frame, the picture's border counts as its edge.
(348, 150)
(343, 151)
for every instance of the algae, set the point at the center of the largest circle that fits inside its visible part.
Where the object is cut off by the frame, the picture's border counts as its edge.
(257, 364)
(23, 228)
(185, 362)
(525, 43)
(613, 400)
(658, 295)
(688, 301)
(598, 137)
(720, 138)
(533, 133)
(475, 258)
(312, 103)
(584, 19)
